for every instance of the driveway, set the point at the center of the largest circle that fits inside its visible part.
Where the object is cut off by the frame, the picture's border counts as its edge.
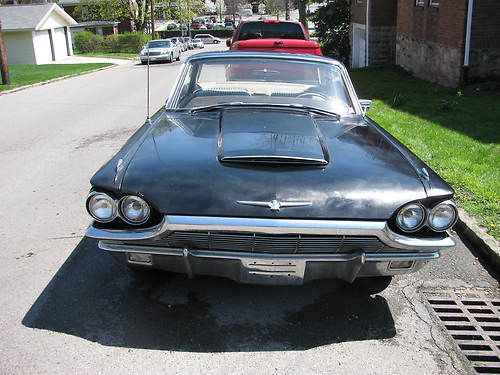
(68, 308)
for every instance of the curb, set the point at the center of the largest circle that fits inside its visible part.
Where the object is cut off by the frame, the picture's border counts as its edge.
(485, 244)
(55, 79)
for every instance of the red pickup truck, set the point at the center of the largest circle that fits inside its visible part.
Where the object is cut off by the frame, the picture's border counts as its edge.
(273, 35)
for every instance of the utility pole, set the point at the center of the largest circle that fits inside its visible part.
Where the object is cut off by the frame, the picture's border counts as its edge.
(151, 6)
(4, 66)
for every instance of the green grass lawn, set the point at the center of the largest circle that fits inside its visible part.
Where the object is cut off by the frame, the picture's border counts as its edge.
(456, 133)
(111, 55)
(22, 75)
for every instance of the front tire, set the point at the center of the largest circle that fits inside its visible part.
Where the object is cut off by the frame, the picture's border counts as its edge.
(178, 57)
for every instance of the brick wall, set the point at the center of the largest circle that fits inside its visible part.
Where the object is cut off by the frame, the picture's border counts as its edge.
(430, 40)
(358, 12)
(382, 43)
(382, 12)
(485, 41)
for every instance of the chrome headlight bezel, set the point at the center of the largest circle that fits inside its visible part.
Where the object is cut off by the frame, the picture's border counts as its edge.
(144, 204)
(420, 223)
(453, 209)
(114, 207)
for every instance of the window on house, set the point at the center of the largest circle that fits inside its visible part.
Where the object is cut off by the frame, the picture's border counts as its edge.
(434, 3)
(419, 3)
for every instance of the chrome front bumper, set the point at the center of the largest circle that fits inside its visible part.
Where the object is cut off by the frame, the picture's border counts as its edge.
(274, 269)
(409, 254)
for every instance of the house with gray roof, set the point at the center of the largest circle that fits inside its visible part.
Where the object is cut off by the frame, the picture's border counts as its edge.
(36, 33)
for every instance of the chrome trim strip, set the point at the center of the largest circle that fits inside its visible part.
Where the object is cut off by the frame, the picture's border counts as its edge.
(276, 226)
(126, 234)
(209, 254)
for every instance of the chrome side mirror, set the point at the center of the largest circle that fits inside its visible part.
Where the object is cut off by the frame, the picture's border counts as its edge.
(365, 104)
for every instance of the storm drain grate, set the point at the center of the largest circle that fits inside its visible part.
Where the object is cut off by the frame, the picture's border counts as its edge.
(473, 320)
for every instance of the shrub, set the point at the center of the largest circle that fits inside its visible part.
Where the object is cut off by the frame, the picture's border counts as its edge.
(112, 43)
(86, 41)
(129, 42)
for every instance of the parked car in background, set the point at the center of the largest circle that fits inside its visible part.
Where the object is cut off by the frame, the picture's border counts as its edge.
(196, 25)
(273, 36)
(219, 24)
(160, 50)
(171, 26)
(247, 12)
(208, 39)
(198, 43)
(347, 200)
(188, 41)
(178, 42)
(229, 25)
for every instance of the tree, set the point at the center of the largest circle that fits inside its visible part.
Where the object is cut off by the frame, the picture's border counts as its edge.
(276, 7)
(103, 10)
(332, 28)
(233, 6)
(186, 10)
(112, 10)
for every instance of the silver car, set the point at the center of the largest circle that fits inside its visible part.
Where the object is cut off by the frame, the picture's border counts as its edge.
(208, 39)
(198, 43)
(178, 42)
(160, 50)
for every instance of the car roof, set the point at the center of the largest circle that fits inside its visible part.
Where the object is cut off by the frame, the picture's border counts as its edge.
(271, 21)
(259, 54)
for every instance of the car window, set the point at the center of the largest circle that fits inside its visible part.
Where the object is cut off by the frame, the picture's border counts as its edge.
(159, 43)
(281, 30)
(278, 81)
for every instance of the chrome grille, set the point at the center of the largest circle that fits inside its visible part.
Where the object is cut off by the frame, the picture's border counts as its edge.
(263, 243)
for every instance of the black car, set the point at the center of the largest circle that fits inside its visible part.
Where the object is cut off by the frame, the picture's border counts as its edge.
(264, 168)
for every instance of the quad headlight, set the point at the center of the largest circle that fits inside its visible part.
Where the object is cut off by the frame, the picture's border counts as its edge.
(102, 207)
(411, 217)
(134, 210)
(442, 216)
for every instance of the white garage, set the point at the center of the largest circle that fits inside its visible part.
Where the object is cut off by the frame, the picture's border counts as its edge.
(36, 34)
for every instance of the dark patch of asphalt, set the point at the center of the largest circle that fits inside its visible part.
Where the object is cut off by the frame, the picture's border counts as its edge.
(94, 297)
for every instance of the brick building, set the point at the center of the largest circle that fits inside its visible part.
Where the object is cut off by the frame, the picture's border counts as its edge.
(380, 32)
(450, 42)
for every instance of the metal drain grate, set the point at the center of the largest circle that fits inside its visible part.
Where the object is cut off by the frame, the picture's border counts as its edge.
(473, 320)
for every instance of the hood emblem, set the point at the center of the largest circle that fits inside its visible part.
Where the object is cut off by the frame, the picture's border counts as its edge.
(275, 205)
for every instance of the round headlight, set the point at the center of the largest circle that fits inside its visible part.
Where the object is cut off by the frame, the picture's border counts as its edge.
(410, 217)
(102, 207)
(442, 217)
(134, 209)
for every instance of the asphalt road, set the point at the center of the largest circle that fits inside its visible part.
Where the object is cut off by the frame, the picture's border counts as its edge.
(68, 308)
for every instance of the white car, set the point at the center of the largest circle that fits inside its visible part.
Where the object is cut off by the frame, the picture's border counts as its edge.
(160, 50)
(207, 38)
(198, 43)
(179, 43)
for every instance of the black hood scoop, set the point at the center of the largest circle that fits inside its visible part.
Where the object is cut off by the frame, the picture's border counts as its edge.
(270, 137)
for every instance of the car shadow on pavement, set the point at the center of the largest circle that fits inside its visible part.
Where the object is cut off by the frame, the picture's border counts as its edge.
(94, 297)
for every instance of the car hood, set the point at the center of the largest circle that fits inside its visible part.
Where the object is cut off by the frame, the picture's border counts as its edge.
(180, 168)
(158, 49)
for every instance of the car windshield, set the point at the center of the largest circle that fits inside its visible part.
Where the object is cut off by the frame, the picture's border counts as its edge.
(281, 30)
(159, 44)
(265, 81)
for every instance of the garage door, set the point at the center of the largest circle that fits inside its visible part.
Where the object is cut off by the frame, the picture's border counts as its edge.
(60, 48)
(41, 42)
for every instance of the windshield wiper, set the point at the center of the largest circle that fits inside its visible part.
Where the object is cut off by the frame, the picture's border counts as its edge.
(301, 107)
